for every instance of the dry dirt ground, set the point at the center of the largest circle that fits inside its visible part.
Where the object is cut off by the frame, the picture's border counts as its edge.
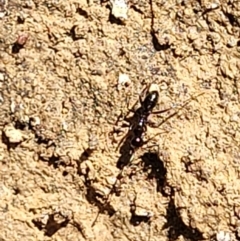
(62, 105)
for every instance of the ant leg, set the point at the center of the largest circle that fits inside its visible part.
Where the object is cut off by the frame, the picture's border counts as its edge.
(145, 142)
(158, 134)
(118, 118)
(122, 118)
(117, 130)
(161, 111)
(153, 123)
(133, 110)
(180, 108)
(156, 125)
(143, 93)
(155, 145)
(167, 118)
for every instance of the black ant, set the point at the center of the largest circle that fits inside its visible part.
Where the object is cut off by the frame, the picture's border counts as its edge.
(138, 123)
(140, 120)
(141, 115)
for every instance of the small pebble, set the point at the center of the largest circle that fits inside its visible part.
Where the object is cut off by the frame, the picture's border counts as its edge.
(13, 135)
(143, 212)
(231, 42)
(119, 9)
(123, 80)
(234, 118)
(2, 14)
(223, 236)
(213, 5)
(34, 121)
(1, 77)
(111, 180)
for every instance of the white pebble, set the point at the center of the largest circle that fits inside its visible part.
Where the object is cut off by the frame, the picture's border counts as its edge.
(1, 77)
(35, 121)
(223, 236)
(119, 9)
(123, 79)
(13, 135)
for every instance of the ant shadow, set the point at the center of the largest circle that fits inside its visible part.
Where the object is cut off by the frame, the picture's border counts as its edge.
(154, 166)
(176, 227)
(152, 162)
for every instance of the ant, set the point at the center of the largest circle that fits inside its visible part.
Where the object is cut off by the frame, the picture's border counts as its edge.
(138, 123)
(141, 115)
(140, 119)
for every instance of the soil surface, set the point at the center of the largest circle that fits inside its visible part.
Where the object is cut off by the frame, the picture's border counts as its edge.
(69, 73)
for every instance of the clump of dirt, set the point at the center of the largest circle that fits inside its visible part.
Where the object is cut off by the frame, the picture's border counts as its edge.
(66, 168)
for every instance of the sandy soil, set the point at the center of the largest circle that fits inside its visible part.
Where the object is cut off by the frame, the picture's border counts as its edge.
(62, 161)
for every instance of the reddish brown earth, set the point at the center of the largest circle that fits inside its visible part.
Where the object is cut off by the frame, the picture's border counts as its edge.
(60, 63)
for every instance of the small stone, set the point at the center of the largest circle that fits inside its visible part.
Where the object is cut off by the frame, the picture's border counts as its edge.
(223, 236)
(22, 38)
(2, 14)
(213, 5)
(143, 212)
(34, 121)
(123, 80)
(119, 9)
(1, 77)
(64, 126)
(13, 135)
(234, 118)
(231, 42)
(193, 34)
(111, 180)
(12, 107)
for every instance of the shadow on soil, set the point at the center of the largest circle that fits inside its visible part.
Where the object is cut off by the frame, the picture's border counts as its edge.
(154, 166)
(156, 44)
(176, 226)
(94, 198)
(52, 226)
